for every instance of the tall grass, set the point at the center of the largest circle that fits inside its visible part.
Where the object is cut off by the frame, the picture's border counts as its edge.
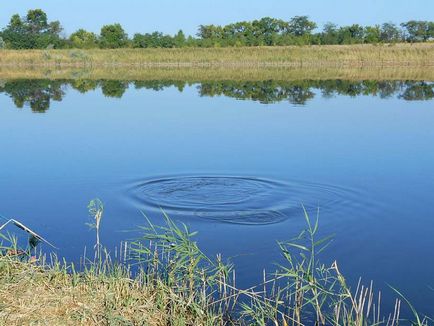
(204, 74)
(331, 56)
(170, 281)
(350, 62)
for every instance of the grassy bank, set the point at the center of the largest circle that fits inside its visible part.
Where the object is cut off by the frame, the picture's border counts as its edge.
(34, 295)
(325, 56)
(175, 283)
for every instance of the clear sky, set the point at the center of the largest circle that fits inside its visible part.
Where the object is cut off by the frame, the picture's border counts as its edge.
(169, 16)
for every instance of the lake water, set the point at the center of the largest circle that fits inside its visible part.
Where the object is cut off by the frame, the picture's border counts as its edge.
(235, 161)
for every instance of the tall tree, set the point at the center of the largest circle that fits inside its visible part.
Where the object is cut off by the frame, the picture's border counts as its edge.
(329, 34)
(390, 33)
(32, 31)
(301, 25)
(266, 30)
(418, 31)
(37, 21)
(351, 34)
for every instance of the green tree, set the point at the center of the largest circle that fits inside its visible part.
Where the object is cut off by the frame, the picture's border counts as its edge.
(243, 33)
(210, 35)
(390, 33)
(50, 37)
(329, 34)
(15, 33)
(32, 31)
(154, 40)
(301, 25)
(140, 41)
(179, 39)
(372, 34)
(210, 32)
(191, 41)
(2, 43)
(266, 30)
(418, 31)
(83, 39)
(36, 21)
(430, 30)
(351, 34)
(113, 36)
(55, 28)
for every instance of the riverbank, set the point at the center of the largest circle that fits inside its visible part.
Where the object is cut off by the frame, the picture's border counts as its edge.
(174, 283)
(319, 56)
(33, 294)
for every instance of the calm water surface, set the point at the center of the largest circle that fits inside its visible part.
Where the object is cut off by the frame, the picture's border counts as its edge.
(235, 161)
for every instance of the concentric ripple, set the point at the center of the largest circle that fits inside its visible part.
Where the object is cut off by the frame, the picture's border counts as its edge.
(234, 199)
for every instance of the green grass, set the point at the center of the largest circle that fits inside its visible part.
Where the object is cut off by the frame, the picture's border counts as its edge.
(175, 283)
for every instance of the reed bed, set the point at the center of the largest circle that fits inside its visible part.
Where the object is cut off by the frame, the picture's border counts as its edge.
(165, 279)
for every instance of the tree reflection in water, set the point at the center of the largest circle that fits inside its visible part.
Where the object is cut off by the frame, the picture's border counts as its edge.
(38, 94)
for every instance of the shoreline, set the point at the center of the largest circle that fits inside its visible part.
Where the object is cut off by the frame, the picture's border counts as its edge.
(195, 75)
(351, 62)
(177, 284)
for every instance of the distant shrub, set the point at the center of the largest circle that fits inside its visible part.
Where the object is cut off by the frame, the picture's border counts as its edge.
(2, 43)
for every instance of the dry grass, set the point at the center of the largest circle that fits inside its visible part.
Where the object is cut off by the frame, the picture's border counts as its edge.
(331, 56)
(197, 75)
(32, 295)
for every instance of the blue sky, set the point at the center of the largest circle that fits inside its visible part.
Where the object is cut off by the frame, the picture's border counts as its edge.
(169, 16)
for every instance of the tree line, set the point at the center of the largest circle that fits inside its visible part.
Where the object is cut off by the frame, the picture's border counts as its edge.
(38, 94)
(34, 31)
